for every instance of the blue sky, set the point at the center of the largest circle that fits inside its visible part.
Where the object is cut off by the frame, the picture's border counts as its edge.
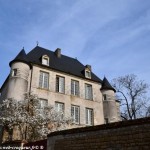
(111, 35)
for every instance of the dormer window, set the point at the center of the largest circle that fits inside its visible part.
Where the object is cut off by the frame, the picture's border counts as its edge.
(87, 71)
(88, 74)
(45, 60)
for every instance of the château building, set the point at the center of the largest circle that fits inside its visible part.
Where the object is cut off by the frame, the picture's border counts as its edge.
(63, 82)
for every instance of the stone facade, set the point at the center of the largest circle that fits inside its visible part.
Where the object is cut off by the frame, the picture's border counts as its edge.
(27, 80)
(66, 97)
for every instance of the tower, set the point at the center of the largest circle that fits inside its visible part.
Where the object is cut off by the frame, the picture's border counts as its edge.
(110, 104)
(19, 76)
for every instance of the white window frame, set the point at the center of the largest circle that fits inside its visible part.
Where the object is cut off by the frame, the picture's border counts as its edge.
(59, 107)
(88, 74)
(89, 116)
(88, 92)
(42, 105)
(60, 84)
(74, 87)
(75, 114)
(44, 80)
(45, 60)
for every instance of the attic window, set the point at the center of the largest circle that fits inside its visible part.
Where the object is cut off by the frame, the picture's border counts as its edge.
(45, 60)
(88, 71)
(88, 74)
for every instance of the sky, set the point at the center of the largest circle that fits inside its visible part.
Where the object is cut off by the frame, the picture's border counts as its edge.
(113, 36)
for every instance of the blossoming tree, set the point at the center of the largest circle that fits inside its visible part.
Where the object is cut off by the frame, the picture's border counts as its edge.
(30, 119)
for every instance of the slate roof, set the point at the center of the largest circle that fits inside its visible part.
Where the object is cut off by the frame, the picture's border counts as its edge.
(106, 85)
(21, 57)
(64, 63)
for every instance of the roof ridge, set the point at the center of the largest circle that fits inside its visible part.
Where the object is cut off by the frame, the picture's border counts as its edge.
(53, 52)
(64, 63)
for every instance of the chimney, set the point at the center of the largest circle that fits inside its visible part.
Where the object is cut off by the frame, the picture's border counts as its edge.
(89, 67)
(58, 52)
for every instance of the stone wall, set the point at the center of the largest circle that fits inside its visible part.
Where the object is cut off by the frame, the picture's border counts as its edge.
(125, 135)
(66, 98)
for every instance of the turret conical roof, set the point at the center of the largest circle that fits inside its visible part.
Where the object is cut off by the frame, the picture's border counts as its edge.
(21, 57)
(106, 85)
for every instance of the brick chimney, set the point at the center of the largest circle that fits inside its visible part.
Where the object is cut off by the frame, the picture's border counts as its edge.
(58, 52)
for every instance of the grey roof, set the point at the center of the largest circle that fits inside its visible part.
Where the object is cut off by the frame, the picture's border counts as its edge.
(106, 85)
(64, 63)
(21, 57)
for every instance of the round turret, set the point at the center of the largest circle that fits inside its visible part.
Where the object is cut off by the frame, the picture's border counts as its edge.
(18, 78)
(110, 106)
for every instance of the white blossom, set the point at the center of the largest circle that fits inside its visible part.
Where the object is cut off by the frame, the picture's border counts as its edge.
(32, 121)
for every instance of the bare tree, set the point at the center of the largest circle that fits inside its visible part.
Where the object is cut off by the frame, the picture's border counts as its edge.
(132, 94)
(31, 120)
(148, 112)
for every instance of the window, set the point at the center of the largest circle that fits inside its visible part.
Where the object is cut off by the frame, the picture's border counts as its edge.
(59, 107)
(89, 116)
(75, 114)
(14, 72)
(60, 84)
(74, 88)
(87, 74)
(44, 80)
(104, 97)
(43, 102)
(45, 60)
(88, 92)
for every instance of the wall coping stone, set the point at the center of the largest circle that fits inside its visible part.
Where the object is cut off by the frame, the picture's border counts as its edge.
(108, 126)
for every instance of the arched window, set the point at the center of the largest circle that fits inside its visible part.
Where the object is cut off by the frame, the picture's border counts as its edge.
(45, 60)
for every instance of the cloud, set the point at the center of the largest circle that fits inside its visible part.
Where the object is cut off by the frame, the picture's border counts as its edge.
(112, 36)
